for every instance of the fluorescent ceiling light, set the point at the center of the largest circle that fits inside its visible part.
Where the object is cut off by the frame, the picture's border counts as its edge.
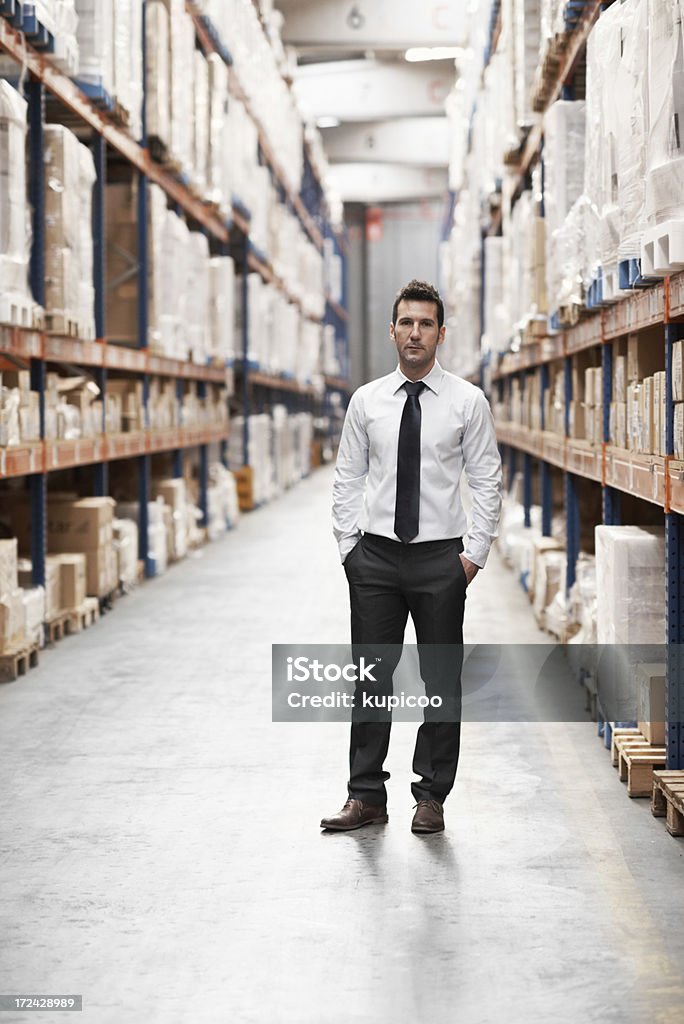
(328, 122)
(421, 53)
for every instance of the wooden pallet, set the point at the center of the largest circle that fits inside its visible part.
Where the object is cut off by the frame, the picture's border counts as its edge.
(668, 800)
(18, 663)
(55, 629)
(636, 760)
(81, 618)
(620, 733)
(62, 324)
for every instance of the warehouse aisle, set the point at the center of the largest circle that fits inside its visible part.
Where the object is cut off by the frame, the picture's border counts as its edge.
(166, 860)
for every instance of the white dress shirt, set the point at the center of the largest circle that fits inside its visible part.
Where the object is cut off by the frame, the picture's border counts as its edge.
(457, 434)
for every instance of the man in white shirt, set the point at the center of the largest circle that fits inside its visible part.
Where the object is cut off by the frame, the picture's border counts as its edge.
(405, 544)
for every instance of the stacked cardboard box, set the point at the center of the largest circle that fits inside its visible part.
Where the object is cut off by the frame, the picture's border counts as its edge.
(172, 491)
(86, 526)
(52, 600)
(651, 717)
(12, 634)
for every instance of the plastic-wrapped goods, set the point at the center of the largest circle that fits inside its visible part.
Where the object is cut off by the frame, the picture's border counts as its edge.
(86, 288)
(665, 180)
(197, 306)
(564, 137)
(158, 80)
(181, 72)
(259, 204)
(69, 177)
(564, 130)
(604, 56)
(65, 53)
(127, 68)
(308, 353)
(631, 90)
(526, 40)
(496, 325)
(222, 307)
(218, 183)
(16, 305)
(157, 549)
(329, 362)
(95, 43)
(630, 585)
(201, 116)
(126, 548)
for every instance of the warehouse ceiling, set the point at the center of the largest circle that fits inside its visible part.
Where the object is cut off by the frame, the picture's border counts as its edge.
(381, 116)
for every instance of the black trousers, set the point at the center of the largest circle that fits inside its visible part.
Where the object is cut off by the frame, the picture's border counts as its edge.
(387, 581)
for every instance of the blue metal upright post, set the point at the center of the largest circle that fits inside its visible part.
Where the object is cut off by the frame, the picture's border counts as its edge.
(674, 544)
(610, 498)
(178, 452)
(245, 354)
(544, 467)
(567, 389)
(144, 461)
(203, 465)
(674, 697)
(35, 95)
(572, 528)
(99, 148)
(527, 488)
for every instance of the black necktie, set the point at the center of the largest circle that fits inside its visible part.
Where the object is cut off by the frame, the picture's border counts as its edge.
(408, 465)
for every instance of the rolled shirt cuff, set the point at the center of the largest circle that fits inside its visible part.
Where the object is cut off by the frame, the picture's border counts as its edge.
(347, 544)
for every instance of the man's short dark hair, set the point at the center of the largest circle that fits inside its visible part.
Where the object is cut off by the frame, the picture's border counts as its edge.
(419, 291)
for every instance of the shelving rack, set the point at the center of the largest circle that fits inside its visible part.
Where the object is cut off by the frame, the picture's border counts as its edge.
(658, 480)
(40, 348)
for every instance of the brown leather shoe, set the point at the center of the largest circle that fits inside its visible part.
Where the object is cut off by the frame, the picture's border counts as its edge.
(355, 814)
(429, 817)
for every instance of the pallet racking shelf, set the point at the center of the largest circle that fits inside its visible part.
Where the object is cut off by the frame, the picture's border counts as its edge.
(657, 480)
(39, 348)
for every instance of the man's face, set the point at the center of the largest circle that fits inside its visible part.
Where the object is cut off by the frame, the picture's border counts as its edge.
(416, 336)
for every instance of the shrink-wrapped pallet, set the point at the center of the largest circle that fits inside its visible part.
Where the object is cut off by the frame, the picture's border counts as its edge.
(158, 80)
(218, 183)
(15, 301)
(201, 121)
(69, 178)
(96, 43)
(665, 178)
(198, 295)
(526, 39)
(630, 585)
(631, 89)
(222, 307)
(127, 66)
(496, 326)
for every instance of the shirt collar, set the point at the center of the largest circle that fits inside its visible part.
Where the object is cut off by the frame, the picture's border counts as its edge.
(432, 380)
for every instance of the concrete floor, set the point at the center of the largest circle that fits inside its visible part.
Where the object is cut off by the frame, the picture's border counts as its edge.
(160, 851)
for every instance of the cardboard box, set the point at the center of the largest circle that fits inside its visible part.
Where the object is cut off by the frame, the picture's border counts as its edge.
(577, 420)
(12, 636)
(53, 588)
(620, 379)
(101, 570)
(53, 591)
(677, 382)
(8, 565)
(679, 430)
(72, 568)
(650, 695)
(33, 601)
(172, 491)
(645, 354)
(82, 525)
